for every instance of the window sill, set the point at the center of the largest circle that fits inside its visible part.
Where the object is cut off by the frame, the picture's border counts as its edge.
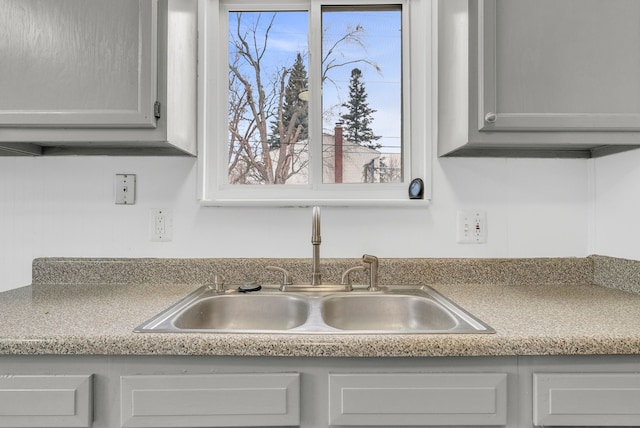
(288, 203)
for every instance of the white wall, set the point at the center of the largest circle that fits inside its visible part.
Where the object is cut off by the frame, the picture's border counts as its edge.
(64, 207)
(617, 205)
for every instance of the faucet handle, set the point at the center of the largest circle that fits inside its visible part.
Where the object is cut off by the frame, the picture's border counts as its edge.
(346, 280)
(218, 283)
(286, 276)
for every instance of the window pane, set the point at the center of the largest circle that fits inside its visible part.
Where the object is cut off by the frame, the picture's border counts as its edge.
(362, 95)
(268, 141)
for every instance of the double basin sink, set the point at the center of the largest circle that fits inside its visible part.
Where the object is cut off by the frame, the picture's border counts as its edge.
(393, 310)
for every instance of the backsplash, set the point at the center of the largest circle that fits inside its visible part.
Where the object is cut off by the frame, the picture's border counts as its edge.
(420, 271)
(613, 272)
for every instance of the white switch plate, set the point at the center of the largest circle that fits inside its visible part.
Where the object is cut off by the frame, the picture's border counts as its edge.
(125, 189)
(160, 225)
(471, 227)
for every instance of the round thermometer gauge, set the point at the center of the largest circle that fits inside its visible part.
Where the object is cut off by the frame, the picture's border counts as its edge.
(416, 189)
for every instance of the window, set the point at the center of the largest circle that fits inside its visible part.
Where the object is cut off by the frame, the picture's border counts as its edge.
(314, 102)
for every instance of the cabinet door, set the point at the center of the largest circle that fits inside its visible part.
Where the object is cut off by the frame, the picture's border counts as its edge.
(586, 399)
(45, 401)
(78, 63)
(548, 65)
(219, 400)
(418, 399)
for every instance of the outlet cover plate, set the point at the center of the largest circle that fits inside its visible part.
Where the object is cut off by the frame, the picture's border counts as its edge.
(160, 225)
(471, 227)
(125, 189)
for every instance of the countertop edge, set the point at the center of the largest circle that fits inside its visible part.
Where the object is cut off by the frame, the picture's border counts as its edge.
(344, 346)
(97, 318)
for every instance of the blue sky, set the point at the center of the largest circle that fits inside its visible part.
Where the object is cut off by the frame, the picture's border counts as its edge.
(382, 45)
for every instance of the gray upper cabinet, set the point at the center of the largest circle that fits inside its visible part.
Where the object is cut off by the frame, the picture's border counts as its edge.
(89, 76)
(543, 78)
(78, 63)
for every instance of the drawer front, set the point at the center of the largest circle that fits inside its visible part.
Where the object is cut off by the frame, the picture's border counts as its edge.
(228, 400)
(586, 399)
(418, 399)
(45, 401)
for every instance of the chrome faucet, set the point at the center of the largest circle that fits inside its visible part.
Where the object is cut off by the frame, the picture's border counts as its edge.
(316, 276)
(316, 285)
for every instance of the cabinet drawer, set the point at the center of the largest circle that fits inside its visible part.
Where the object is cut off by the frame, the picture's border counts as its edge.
(418, 399)
(586, 399)
(265, 399)
(45, 401)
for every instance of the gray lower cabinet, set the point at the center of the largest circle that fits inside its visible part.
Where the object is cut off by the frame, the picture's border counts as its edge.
(418, 399)
(46, 401)
(586, 399)
(217, 400)
(318, 392)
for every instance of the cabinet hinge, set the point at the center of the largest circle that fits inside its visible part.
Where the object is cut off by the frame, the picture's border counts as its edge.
(156, 109)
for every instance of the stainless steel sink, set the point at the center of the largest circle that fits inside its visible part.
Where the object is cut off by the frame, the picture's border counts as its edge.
(393, 310)
(386, 312)
(265, 312)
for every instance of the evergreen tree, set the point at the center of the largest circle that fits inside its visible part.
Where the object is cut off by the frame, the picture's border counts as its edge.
(358, 120)
(296, 84)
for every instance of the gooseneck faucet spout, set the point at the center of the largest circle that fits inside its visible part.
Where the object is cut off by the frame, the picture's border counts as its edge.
(286, 284)
(316, 276)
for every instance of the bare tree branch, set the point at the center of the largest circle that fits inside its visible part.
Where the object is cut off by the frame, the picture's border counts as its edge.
(256, 99)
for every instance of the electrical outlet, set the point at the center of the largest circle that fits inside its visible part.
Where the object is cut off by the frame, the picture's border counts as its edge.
(125, 189)
(471, 227)
(160, 225)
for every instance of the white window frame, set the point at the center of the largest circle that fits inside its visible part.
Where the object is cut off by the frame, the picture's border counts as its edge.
(419, 107)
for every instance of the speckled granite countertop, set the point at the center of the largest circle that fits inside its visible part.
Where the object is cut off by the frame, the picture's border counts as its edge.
(561, 314)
